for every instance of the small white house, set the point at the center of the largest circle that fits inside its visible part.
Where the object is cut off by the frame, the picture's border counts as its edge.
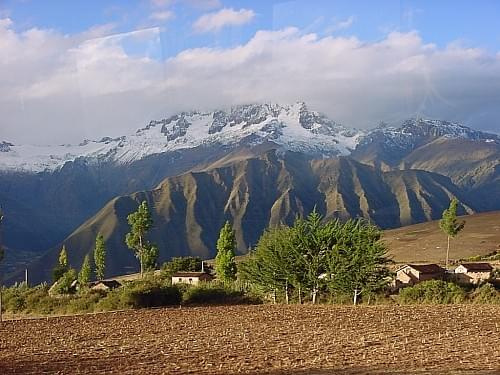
(192, 278)
(473, 272)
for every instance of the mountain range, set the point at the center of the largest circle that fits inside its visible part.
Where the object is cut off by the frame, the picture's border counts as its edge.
(256, 165)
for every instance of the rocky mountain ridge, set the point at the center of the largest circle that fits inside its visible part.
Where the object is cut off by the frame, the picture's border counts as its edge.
(293, 127)
(47, 193)
(189, 209)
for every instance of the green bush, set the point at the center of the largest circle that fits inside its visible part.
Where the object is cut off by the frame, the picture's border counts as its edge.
(432, 292)
(486, 294)
(151, 292)
(363, 299)
(114, 300)
(217, 294)
(192, 264)
(15, 304)
(14, 298)
(83, 303)
(63, 285)
(155, 296)
(21, 299)
(494, 255)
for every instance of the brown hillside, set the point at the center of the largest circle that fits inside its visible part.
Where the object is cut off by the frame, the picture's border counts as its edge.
(425, 242)
(189, 209)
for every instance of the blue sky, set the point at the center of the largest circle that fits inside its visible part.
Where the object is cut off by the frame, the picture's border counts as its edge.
(473, 23)
(85, 69)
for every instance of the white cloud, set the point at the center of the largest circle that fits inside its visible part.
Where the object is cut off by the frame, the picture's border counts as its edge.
(57, 88)
(162, 16)
(341, 25)
(354, 82)
(52, 85)
(213, 22)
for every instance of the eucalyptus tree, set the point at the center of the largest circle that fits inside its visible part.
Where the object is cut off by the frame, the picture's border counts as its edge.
(316, 254)
(357, 262)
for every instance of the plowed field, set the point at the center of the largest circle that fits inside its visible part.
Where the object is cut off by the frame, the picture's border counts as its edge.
(259, 339)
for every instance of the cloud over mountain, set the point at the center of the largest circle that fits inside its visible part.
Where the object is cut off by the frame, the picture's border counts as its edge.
(70, 87)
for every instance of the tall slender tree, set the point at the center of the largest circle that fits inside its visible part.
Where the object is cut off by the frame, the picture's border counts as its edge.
(85, 272)
(63, 257)
(450, 225)
(140, 223)
(150, 257)
(100, 257)
(62, 265)
(225, 266)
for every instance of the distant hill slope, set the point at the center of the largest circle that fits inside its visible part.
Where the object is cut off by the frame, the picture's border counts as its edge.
(74, 183)
(189, 209)
(470, 158)
(218, 166)
(425, 242)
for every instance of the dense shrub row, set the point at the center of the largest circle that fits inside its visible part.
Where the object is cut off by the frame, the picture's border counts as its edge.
(149, 292)
(20, 299)
(156, 292)
(442, 292)
(494, 255)
(219, 294)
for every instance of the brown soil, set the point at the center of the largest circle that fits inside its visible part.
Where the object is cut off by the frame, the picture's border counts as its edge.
(259, 339)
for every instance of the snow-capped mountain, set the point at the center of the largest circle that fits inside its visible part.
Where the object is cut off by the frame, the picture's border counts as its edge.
(414, 132)
(293, 127)
(198, 154)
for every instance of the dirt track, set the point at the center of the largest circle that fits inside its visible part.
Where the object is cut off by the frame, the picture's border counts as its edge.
(259, 339)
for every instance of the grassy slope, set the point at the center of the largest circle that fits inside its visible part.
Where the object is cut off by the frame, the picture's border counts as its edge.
(425, 242)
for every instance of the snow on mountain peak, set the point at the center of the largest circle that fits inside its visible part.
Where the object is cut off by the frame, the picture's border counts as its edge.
(294, 127)
(416, 131)
(5, 146)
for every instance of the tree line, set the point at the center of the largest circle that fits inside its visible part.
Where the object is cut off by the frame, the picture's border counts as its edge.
(314, 256)
(140, 223)
(311, 257)
(63, 270)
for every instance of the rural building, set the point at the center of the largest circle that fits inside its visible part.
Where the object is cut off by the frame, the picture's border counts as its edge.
(105, 285)
(473, 272)
(411, 274)
(190, 277)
